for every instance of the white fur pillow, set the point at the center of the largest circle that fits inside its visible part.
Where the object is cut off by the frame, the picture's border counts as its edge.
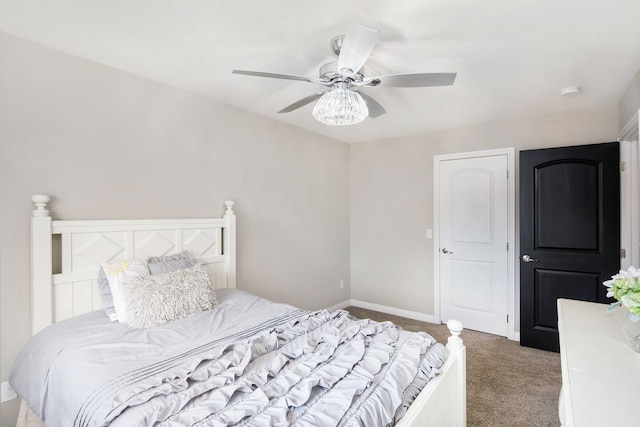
(161, 298)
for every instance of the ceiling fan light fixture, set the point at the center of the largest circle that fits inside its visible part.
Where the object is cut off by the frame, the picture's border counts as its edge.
(340, 107)
(343, 105)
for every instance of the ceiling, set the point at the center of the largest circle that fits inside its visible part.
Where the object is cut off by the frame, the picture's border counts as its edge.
(512, 57)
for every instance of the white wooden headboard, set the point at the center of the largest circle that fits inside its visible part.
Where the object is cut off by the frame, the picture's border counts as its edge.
(63, 291)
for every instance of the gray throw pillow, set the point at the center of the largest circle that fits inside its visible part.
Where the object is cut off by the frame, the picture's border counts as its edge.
(174, 257)
(105, 294)
(169, 263)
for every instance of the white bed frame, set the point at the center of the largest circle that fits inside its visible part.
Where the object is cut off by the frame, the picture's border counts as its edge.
(66, 257)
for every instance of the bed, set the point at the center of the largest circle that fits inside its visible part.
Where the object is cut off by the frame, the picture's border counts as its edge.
(246, 361)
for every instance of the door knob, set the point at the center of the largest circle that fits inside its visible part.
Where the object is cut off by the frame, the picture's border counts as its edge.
(446, 251)
(527, 258)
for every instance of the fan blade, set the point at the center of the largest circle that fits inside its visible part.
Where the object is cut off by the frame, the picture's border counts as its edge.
(276, 76)
(375, 109)
(413, 80)
(301, 103)
(357, 45)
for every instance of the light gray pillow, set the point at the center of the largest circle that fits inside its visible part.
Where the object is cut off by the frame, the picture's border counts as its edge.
(161, 298)
(105, 295)
(174, 257)
(168, 263)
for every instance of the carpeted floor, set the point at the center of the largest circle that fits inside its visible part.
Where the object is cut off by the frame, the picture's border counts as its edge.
(507, 385)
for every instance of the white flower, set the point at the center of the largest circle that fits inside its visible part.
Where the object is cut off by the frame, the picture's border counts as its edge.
(625, 287)
(633, 272)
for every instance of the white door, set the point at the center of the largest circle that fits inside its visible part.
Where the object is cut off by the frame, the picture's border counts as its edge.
(473, 236)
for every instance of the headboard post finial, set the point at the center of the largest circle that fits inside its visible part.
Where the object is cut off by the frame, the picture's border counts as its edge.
(40, 200)
(455, 327)
(229, 204)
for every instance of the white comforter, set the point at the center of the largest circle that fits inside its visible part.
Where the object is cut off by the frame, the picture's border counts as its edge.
(247, 362)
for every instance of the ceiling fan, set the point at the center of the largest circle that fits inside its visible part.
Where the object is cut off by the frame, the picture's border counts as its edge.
(343, 103)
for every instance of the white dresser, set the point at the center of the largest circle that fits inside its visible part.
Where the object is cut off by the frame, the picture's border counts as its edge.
(600, 371)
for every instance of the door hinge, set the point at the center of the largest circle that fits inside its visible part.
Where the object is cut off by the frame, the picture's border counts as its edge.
(507, 246)
(623, 253)
(623, 166)
(507, 318)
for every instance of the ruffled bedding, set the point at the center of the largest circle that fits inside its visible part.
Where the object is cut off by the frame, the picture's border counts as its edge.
(247, 362)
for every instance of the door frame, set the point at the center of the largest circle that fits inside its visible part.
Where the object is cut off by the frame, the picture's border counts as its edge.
(630, 192)
(511, 215)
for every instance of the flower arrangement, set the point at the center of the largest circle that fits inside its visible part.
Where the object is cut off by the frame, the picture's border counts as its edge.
(625, 288)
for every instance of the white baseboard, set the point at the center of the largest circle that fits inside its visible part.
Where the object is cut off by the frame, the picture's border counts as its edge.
(430, 318)
(340, 305)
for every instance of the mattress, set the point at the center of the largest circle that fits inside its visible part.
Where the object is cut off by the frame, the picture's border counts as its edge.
(249, 361)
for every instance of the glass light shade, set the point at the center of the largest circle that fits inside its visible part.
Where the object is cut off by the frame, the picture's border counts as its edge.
(340, 107)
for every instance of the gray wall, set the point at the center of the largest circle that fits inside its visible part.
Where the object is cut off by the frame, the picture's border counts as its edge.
(392, 197)
(630, 102)
(105, 144)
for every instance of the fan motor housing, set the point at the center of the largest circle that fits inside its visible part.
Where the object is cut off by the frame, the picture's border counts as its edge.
(330, 73)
